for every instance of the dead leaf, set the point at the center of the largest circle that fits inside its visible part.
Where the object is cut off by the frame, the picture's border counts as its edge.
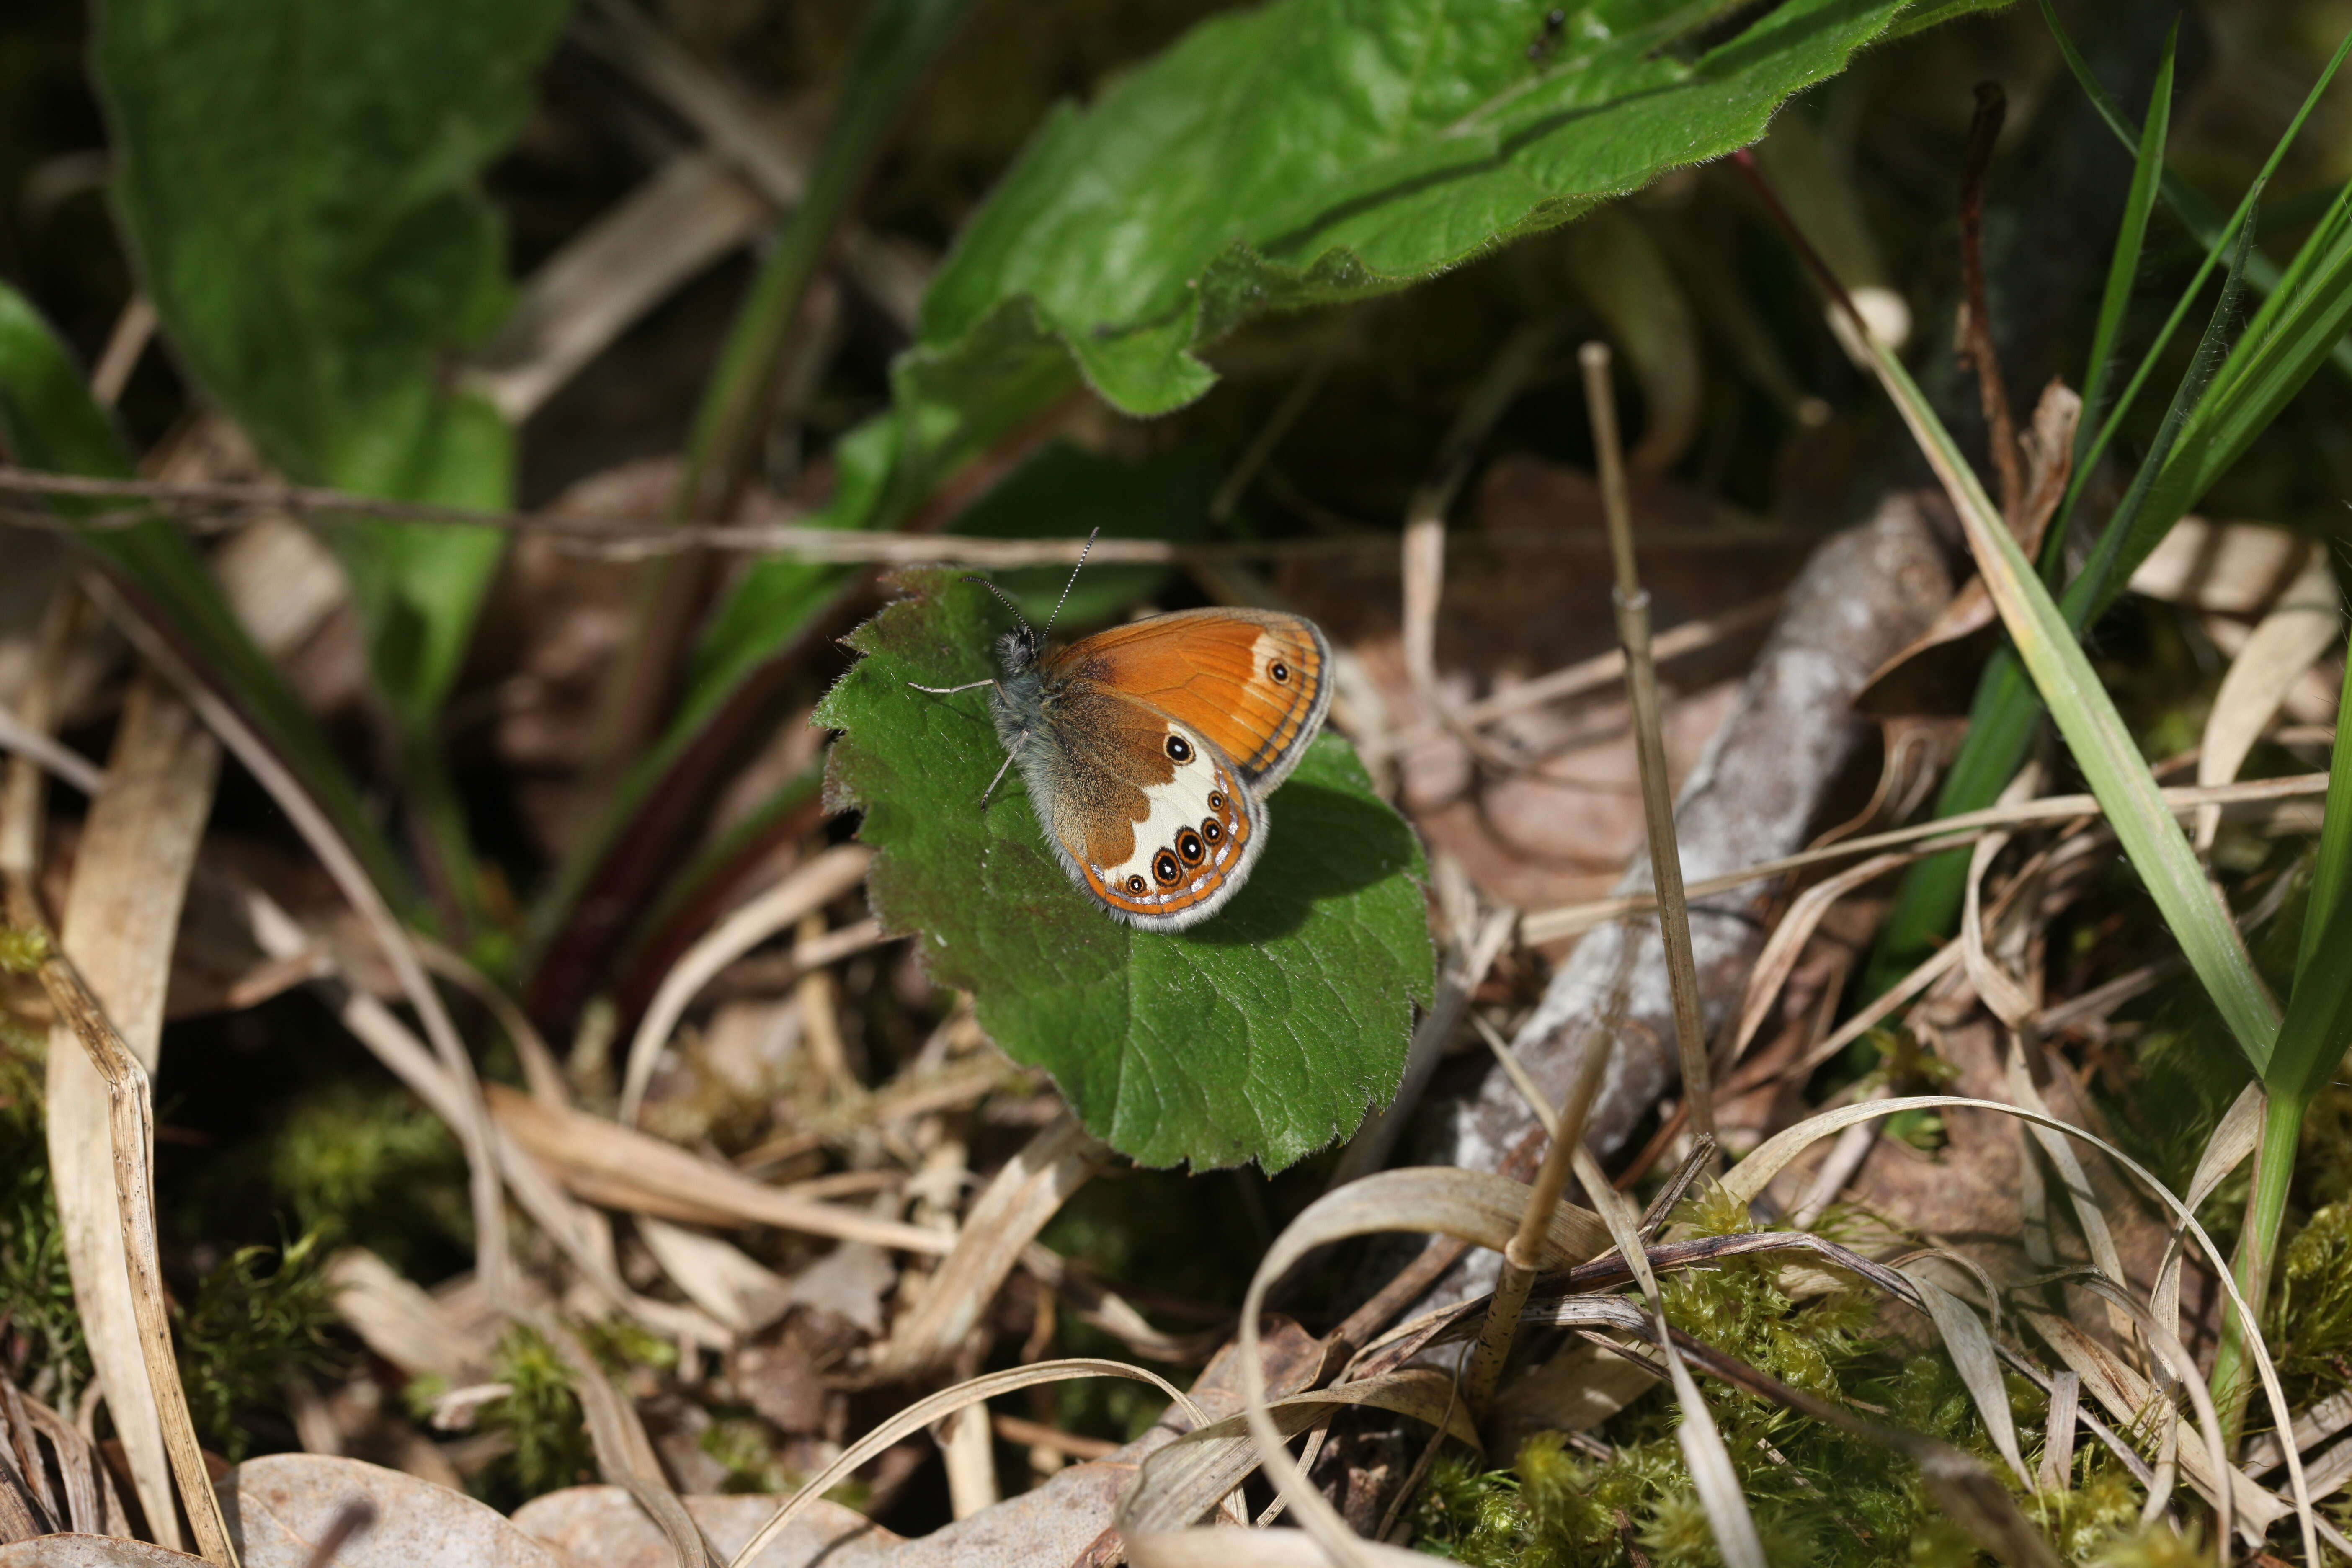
(89, 1552)
(281, 1506)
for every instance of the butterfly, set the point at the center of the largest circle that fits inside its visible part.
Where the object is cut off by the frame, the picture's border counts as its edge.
(1149, 749)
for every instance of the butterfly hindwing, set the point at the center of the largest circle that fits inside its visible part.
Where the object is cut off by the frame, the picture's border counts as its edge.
(1254, 683)
(1144, 812)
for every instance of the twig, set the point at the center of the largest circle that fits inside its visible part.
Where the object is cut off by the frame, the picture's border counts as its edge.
(1972, 331)
(1633, 603)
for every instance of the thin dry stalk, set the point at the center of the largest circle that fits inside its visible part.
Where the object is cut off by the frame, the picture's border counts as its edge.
(1658, 791)
(624, 1453)
(1522, 1256)
(491, 1263)
(1944, 833)
(1424, 528)
(121, 921)
(1974, 328)
(131, 1121)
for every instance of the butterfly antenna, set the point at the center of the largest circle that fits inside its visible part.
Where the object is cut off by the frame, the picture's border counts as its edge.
(1005, 598)
(1073, 583)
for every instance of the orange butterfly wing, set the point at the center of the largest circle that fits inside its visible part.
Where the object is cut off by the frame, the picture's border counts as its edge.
(1257, 683)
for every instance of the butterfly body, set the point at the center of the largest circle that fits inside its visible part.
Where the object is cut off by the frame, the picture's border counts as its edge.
(1149, 751)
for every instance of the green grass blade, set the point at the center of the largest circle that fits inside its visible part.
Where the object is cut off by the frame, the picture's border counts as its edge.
(2333, 868)
(2095, 731)
(2122, 544)
(2191, 209)
(2123, 270)
(48, 421)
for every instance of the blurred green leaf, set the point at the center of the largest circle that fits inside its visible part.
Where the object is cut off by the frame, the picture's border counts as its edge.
(1262, 1034)
(48, 421)
(296, 182)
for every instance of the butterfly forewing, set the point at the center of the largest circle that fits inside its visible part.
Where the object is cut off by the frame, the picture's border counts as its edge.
(1254, 683)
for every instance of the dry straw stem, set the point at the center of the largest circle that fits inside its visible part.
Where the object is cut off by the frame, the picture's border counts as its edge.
(633, 1160)
(472, 1125)
(121, 921)
(131, 1121)
(574, 1227)
(624, 1453)
(1521, 1255)
(2297, 634)
(1479, 1208)
(1588, 675)
(215, 506)
(1746, 1181)
(1633, 603)
(1182, 1481)
(1921, 839)
(808, 887)
(1423, 558)
(1018, 1201)
(945, 1403)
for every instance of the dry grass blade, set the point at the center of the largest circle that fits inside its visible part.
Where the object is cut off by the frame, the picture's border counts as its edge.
(570, 1226)
(63, 762)
(1943, 833)
(131, 1122)
(624, 1454)
(2233, 1142)
(2185, 1372)
(575, 1139)
(947, 1401)
(1709, 1462)
(2058, 1438)
(122, 918)
(1019, 1199)
(810, 886)
(2296, 634)
(1973, 1357)
(1184, 1480)
(1478, 1207)
(1788, 941)
(1747, 1179)
(472, 1123)
(2130, 1399)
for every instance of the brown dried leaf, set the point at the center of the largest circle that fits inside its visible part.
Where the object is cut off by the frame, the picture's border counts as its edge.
(281, 1506)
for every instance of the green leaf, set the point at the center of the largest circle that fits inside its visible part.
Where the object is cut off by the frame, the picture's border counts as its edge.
(48, 421)
(2324, 929)
(296, 182)
(1262, 1034)
(1314, 151)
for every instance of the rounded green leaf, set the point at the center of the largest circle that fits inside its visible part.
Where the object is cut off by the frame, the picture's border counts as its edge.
(1262, 1034)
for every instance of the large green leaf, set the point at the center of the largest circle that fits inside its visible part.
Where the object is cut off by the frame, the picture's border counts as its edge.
(296, 181)
(1323, 150)
(1262, 1034)
(48, 421)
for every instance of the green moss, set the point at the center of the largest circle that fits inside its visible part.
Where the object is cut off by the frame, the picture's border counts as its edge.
(21, 950)
(37, 1300)
(2311, 1307)
(540, 1416)
(367, 1165)
(748, 1449)
(246, 1332)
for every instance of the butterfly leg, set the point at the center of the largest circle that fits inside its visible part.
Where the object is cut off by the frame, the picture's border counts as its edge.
(952, 690)
(999, 779)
